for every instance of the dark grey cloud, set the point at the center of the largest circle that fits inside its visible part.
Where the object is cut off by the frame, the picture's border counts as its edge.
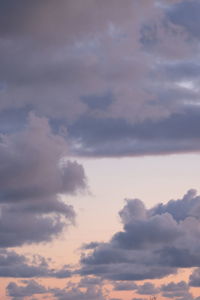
(62, 15)
(194, 279)
(178, 290)
(75, 293)
(149, 35)
(91, 288)
(143, 233)
(126, 271)
(16, 13)
(64, 272)
(180, 209)
(50, 66)
(101, 102)
(147, 288)
(125, 286)
(153, 243)
(185, 71)
(89, 246)
(30, 288)
(34, 172)
(13, 118)
(185, 14)
(108, 72)
(118, 137)
(90, 281)
(19, 266)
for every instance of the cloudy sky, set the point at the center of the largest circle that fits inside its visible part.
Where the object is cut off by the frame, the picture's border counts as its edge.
(99, 149)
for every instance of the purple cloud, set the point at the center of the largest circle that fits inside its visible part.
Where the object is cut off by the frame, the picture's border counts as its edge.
(153, 243)
(34, 172)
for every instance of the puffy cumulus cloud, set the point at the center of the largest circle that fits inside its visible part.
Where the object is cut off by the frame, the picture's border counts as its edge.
(30, 288)
(20, 266)
(77, 294)
(71, 292)
(153, 243)
(89, 281)
(178, 290)
(15, 265)
(87, 288)
(173, 291)
(34, 172)
(89, 246)
(147, 289)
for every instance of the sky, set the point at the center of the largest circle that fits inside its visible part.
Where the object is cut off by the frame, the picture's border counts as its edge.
(99, 149)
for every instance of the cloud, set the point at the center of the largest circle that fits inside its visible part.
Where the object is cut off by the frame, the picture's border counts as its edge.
(62, 14)
(89, 288)
(53, 61)
(178, 290)
(104, 78)
(194, 279)
(89, 246)
(118, 137)
(116, 75)
(181, 13)
(77, 294)
(90, 281)
(147, 289)
(125, 286)
(34, 172)
(30, 288)
(19, 266)
(153, 243)
(98, 102)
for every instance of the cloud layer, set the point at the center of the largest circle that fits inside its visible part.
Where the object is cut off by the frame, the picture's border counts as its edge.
(123, 79)
(71, 292)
